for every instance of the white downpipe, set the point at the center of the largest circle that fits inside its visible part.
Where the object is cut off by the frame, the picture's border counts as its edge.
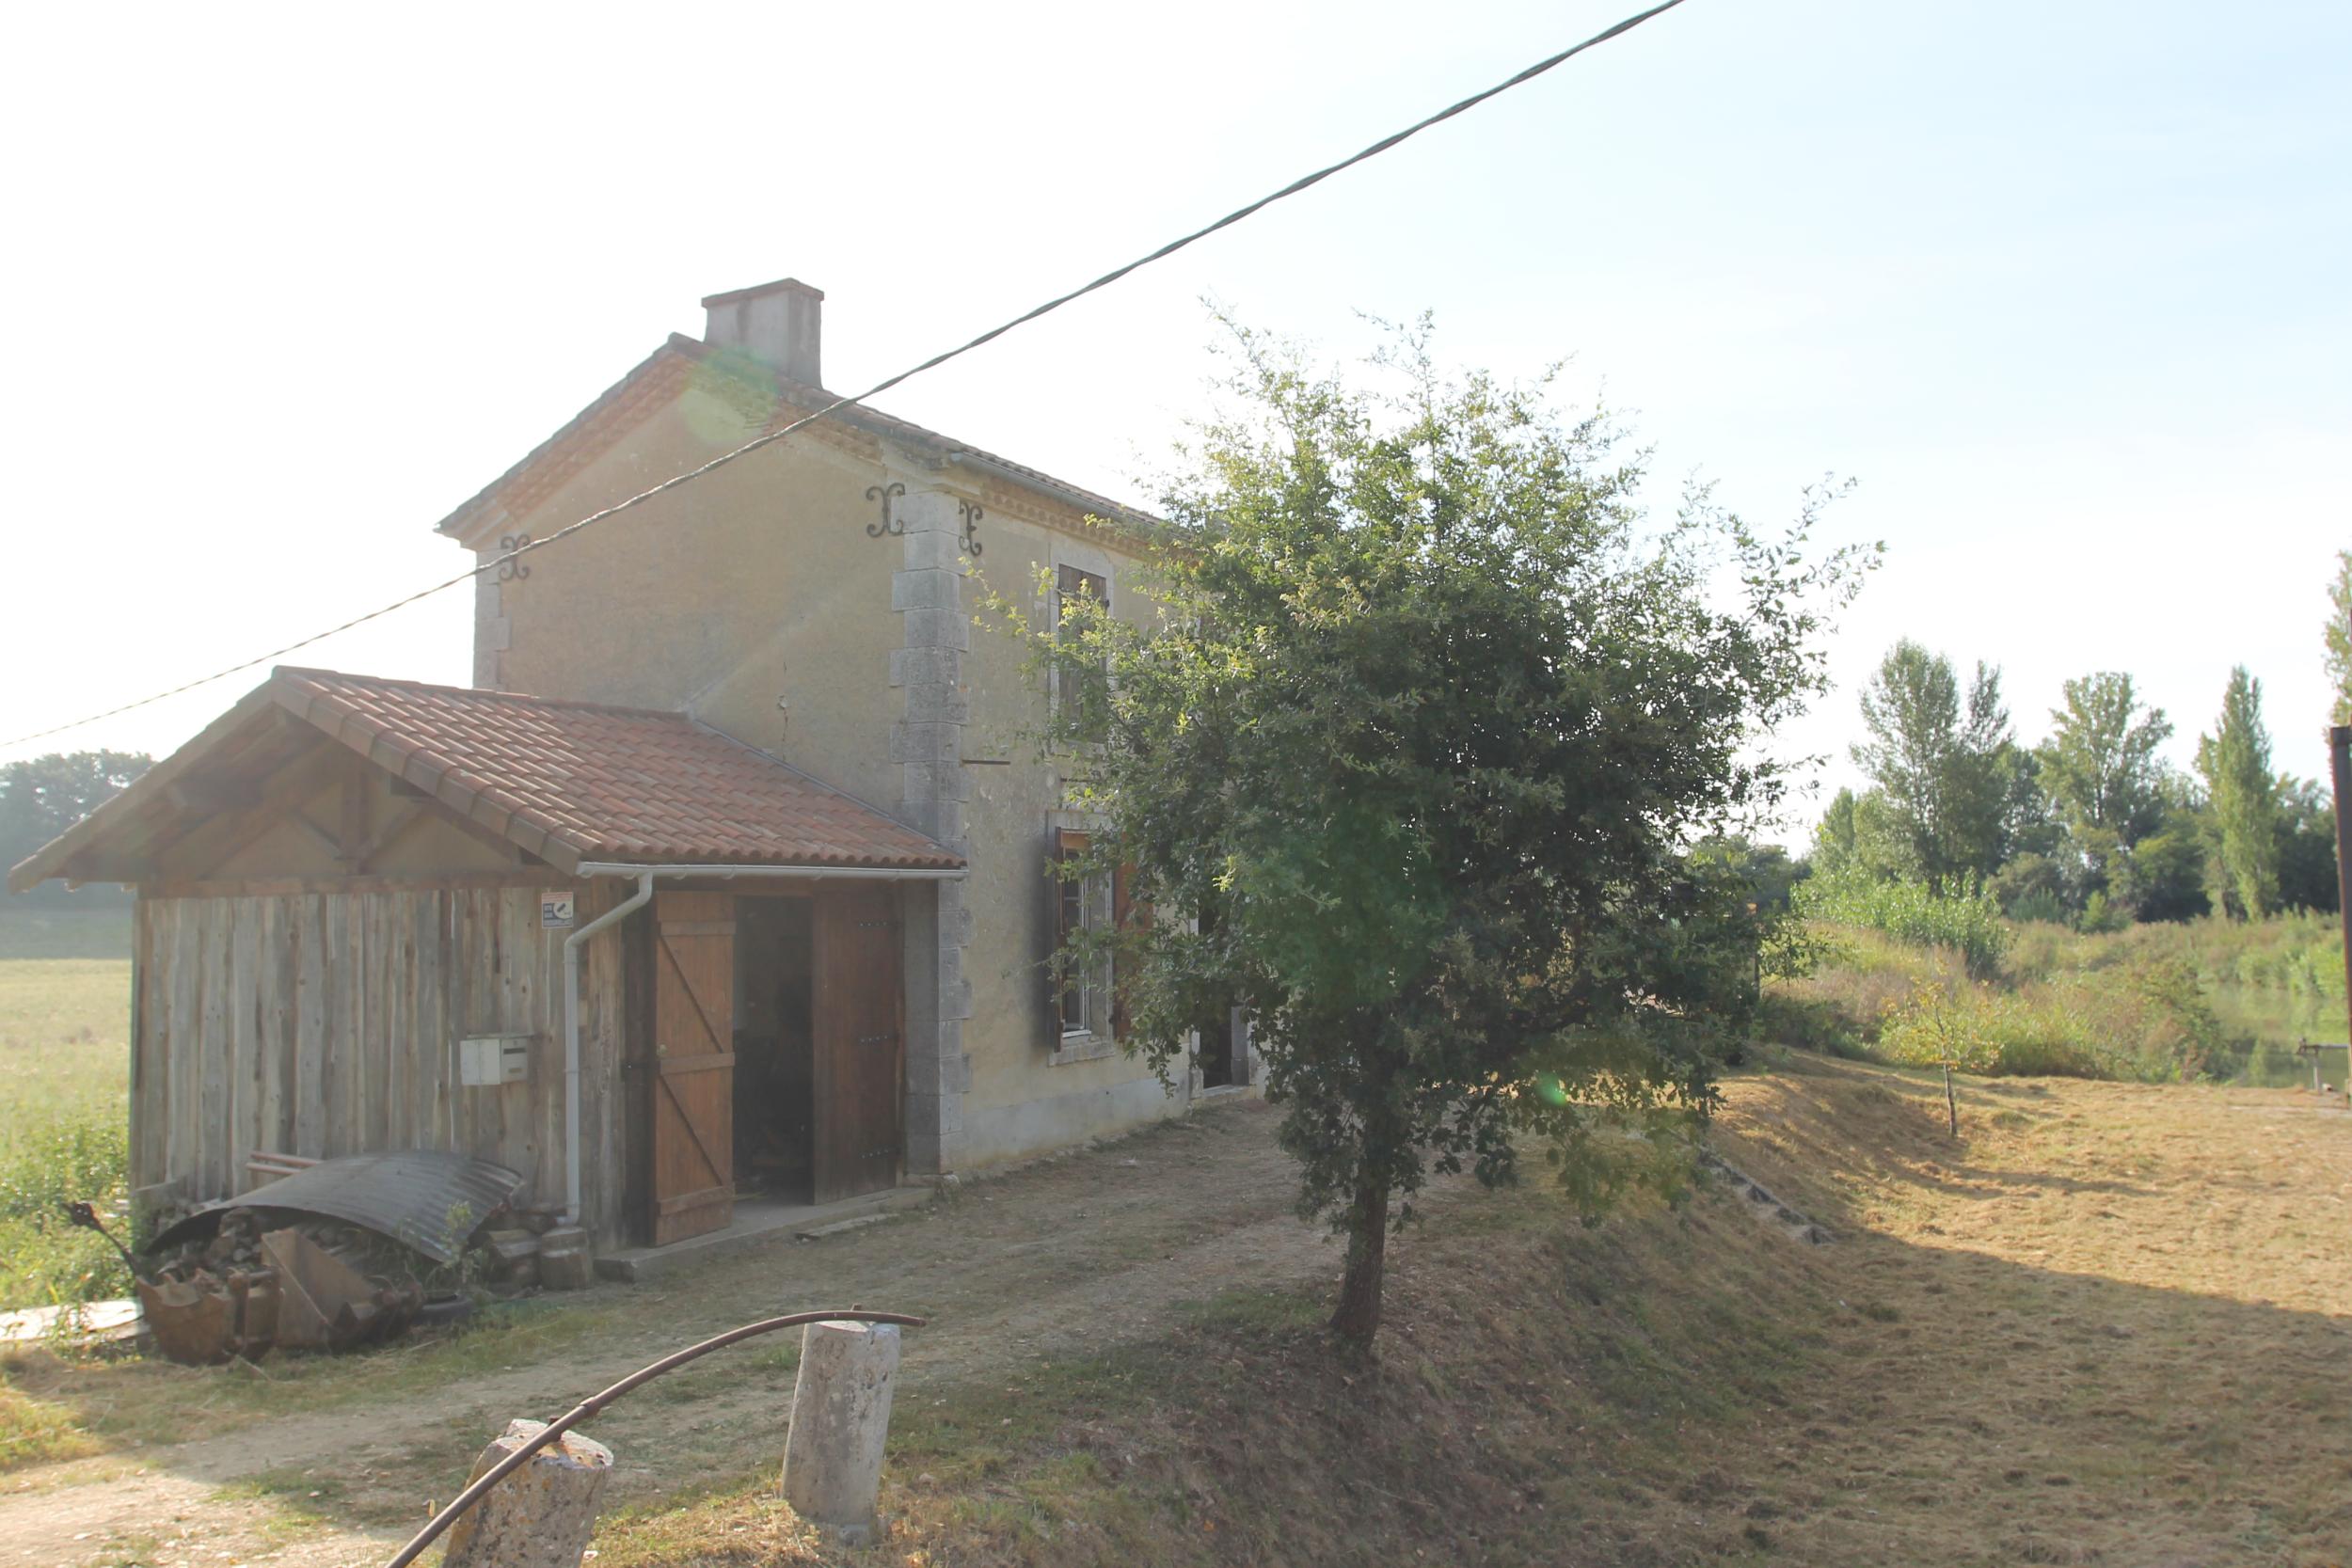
(646, 875)
(620, 911)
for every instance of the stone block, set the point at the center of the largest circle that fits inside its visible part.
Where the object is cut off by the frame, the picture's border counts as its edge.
(936, 701)
(566, 1261)
(934, 549)
(911, 741)
(938, 628)
(926, 589)
(925, 666)
(542, 1514)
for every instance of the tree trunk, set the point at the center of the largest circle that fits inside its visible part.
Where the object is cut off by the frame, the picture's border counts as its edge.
(1358, 1317)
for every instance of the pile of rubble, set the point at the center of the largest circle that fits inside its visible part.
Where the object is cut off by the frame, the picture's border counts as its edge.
(248, 1291)
(333, 1255)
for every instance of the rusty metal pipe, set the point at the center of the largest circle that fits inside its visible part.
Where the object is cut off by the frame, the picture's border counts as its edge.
(596, 1402)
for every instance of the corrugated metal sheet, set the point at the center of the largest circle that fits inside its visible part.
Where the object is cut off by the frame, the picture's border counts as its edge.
(423, 1198)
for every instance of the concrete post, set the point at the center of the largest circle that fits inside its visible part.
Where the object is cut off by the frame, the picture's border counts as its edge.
(541, 1516)
(832, 1453)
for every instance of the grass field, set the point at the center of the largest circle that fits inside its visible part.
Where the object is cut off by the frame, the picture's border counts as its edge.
(64, 1082)
(31, 930)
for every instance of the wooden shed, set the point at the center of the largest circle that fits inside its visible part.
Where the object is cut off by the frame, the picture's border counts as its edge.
(355, 896)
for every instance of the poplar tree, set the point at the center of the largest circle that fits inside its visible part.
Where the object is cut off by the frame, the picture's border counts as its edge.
(2242, 857)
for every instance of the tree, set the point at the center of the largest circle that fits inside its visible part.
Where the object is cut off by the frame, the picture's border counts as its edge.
(2162, 877)
(1949, 769)
(42, 797)
(1426, 718)
(2100, 764)
(2306, 829)
(2337, 639)
(2101, 770)
(2242, 841)
(1861, 833)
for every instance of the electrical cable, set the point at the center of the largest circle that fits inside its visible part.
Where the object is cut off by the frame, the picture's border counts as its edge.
(770, 437)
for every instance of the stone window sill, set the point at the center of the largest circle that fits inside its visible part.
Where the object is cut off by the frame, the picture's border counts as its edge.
(1083, 1048)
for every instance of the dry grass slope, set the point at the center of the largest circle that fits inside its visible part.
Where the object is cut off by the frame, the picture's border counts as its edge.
(2107, 1325)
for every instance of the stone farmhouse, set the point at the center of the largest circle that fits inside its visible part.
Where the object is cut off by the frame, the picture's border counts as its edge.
(727, 880)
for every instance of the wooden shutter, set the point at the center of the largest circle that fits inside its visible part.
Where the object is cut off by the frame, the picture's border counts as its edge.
(1126, 913)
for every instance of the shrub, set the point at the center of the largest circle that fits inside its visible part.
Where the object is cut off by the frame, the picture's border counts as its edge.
(1965, 921)
(44, 1260)
(2147, 1021)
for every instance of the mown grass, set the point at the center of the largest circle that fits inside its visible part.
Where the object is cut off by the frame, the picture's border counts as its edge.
(1528, 1356)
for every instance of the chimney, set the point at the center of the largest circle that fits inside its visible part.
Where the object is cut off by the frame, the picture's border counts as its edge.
(778, 324)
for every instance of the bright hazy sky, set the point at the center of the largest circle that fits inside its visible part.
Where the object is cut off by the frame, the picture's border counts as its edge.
(2063, 285)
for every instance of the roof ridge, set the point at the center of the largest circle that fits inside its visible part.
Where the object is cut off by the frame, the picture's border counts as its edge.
(807, 396)
(532, 698)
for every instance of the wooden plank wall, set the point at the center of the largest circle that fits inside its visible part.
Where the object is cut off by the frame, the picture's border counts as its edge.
(325, 1022)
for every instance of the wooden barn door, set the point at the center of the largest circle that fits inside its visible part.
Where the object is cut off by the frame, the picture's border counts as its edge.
(858, 1096)
(693, 1065)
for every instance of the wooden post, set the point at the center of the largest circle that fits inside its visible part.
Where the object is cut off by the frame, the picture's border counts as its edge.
(542, 1515)
(2340, 771)
(1951, 1105)
(833, 1452)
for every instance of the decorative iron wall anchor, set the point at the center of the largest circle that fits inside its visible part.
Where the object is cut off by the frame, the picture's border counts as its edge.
(891, 522)
(971, 514)
(510, 568)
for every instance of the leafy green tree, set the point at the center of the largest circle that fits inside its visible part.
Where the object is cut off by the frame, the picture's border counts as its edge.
(2100, 764)
(2162, 877)
(1427, 715)
(2242, 839)
(1861, 833)
(2338, 640)
(42, 797)
(1945, 762)
(1764, 870)
(2306, 827)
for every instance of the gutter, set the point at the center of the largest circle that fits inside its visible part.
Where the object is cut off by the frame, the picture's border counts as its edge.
(635, 901)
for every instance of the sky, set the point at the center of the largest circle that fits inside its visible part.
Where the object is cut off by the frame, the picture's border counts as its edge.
(2061, 287)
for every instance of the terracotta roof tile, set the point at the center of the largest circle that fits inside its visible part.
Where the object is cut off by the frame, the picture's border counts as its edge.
(605, 782)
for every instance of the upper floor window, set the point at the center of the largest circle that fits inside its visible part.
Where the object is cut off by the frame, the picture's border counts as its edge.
(1078, 695)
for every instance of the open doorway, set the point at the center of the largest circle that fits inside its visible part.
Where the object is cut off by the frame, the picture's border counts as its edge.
(774, 1049)
(1218, 1058)
(1219, 1068)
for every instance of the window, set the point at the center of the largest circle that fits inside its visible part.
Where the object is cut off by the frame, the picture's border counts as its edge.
(1081, 991)
(1087, 1006)
(1076, 696)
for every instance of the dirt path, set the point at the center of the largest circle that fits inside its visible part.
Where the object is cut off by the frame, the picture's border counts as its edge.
(1064, 1257)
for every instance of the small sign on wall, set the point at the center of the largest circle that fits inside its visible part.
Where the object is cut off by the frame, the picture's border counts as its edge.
(555, 912)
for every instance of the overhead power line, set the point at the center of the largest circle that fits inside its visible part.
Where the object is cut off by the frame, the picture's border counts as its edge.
(1237, 216)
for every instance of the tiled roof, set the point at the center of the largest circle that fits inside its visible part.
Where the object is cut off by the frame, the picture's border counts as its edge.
(590, 430)
(574, 781)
